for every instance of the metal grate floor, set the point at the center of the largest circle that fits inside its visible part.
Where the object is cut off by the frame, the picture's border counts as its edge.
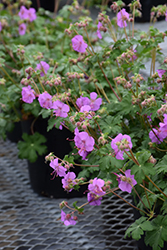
(29, 222)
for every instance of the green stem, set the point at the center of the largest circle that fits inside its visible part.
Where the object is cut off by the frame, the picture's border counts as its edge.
(13, 81)
(89, 40)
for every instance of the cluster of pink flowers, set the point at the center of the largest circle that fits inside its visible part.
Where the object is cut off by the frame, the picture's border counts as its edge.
(45, 100)
(68, 219)
(26, 14)
(68, 179)
(93, 104)
(84, 143)
(158, 135)
(120, 144)
(95, 192)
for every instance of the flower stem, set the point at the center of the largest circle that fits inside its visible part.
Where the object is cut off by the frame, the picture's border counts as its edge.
(109, 82)
(156, 186)
(129, 203)
(150, 192)
(6, 73)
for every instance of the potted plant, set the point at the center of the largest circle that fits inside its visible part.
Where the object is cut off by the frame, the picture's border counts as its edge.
(119, 120)
(117, 117)
(33, 56)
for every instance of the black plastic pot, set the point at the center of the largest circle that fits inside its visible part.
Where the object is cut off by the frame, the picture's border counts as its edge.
(47, 5)
(15, 134)
(40, 172)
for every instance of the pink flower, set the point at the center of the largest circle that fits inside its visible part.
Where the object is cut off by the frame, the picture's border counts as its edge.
(22, 29)
(85, 108)
(0, 26)
(125, 183)
(58, 170)
(67, 219)
(122, 17)
(60, 109)
(82, 101)
(69, 181)
(43, 67)
(92, 102)
(166, 16)
(165, 118)
(31, 14)
(28, 94)
(163, 129)
(120, 144)
(45, 100)
(23, 13)
(78, 44)
(92, 199)
(98, 30)
(84, 143)
(160, 72)
(95, 103)
(156, 136)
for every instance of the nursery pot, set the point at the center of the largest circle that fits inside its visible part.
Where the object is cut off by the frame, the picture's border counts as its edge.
(47, 5)
(41, 180)
(15, 134)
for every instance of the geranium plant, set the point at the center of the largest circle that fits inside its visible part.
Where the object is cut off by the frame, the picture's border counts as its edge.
(117, 115)
(119, 121)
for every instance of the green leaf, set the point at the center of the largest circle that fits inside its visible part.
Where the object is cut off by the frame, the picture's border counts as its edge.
(142, 170)
(32, 146)
(109, 163)
(111, 124)
(34, 108)
(69, 159)
(162, 165)
(51, 123)
(80, 210)
(156, 237)
(143, 156)
(125, 106)
(138, 227)
(45, 113)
